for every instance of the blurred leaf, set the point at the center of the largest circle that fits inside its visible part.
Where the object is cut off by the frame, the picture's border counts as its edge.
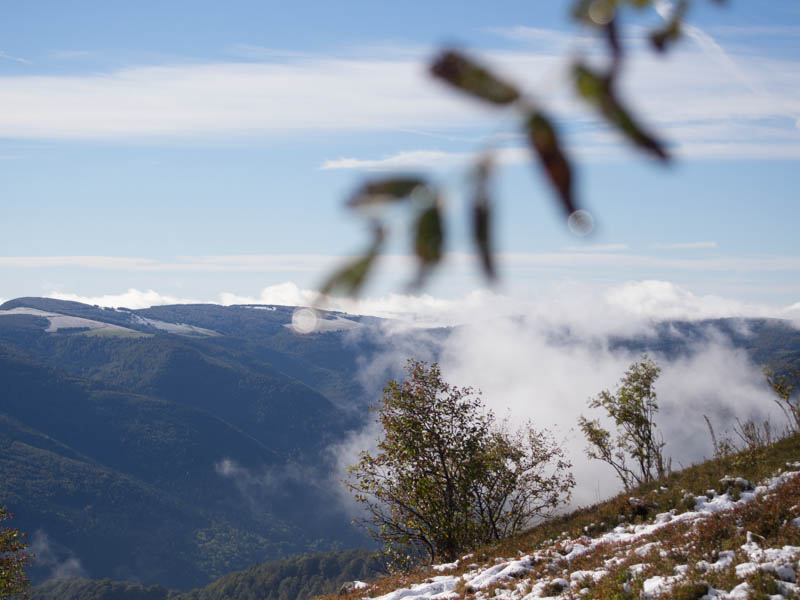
(385, 190)
(429, 239)
(481, 217)
(597, 90)
(671, 30)
(464, 74)
(351, 277)
(614, 46)
(544, 141)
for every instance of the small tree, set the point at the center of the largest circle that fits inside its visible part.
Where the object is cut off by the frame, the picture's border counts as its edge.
(784, 386)
(445, 477)
(13, 560)
(632, 407)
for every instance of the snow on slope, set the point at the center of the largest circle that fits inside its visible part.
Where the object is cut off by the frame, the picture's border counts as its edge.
(176, 328)
(58, 321)
(508, 579)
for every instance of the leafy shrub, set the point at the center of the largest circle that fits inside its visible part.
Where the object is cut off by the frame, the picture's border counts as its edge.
(447, 478)
(632, 408)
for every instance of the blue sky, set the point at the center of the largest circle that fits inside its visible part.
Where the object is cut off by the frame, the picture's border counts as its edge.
(203, 150)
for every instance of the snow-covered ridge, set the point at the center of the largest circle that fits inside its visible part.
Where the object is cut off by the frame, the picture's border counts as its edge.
(507, 579)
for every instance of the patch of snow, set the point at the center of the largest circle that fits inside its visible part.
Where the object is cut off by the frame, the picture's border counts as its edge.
(175, 328)
(724, 561)
(645, 549)
(638, 569)
(580, 577)
(58, 321)
(500, 572)
(445, 566)
(657, 585)
(437, 588)
(320, 325)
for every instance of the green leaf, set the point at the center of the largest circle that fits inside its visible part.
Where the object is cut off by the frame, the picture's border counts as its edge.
(472, 78)
(481, 217)
(351, 277)
(544, 141)
(597, 90)
(385, 190)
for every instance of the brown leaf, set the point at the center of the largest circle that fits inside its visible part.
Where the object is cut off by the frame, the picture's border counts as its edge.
(429, 236)
(598, 91)
(671, 31)
(544, 141)
(428, 240)
(385, 190)
(472, 78)
(481, 217)
(350, 278)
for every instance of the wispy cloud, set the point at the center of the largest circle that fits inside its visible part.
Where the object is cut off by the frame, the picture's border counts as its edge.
(609, 255)
(88, 262)
(685, 245)
(290, 93)
(401, 160)
(597, 248)
(18, 59)
(254, 262)
(738, 31)
(70, 54)
(263, 53)
(553, 39)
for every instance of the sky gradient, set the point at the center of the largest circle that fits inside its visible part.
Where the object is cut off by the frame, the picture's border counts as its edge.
(204, 151)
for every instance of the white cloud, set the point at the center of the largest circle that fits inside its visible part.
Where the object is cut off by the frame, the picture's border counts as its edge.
(542, 359)
(232, 98)
(525, 375)
(130, 299)
(665, 300)
(625, 308)
(59, 561)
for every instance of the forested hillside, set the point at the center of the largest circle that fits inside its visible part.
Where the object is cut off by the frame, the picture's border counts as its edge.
(294, 578)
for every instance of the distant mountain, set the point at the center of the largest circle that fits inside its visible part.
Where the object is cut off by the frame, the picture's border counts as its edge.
(175, 444)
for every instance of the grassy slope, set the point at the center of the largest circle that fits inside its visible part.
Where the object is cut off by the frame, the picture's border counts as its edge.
(769, 518)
